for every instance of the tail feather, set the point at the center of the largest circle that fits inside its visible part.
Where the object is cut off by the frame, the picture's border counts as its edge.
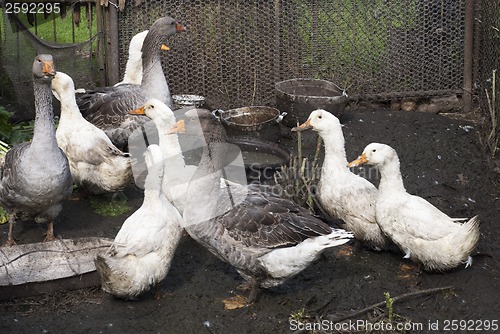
(123, 278)
(285, 262)
(471, 236)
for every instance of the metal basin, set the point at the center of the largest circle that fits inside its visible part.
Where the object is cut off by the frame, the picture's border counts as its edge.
(298, 97)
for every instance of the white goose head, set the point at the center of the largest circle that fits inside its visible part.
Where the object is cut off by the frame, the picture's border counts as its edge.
(319, 120)
(155, 109)
(375, 154)
(62, 84)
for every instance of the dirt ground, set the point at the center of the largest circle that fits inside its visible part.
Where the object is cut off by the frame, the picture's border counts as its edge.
(441, 160)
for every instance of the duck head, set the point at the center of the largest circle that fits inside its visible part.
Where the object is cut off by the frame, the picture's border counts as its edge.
(62, 83)
(43, 67)
(154, 109)
(374, 154)
(168, 26)
(319, 120)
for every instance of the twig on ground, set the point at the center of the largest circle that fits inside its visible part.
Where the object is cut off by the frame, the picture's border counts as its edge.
(398, 298)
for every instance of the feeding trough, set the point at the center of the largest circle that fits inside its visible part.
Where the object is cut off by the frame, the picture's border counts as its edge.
(255, 121)
(261, 158)
(187, 100)
(298, 97)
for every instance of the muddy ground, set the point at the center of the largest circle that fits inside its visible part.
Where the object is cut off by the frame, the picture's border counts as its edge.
(441, 160)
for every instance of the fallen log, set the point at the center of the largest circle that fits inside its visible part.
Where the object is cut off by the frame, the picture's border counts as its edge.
(45, 267)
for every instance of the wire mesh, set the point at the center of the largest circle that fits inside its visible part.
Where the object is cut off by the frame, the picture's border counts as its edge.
(23, 36)
(486, 61)
(237, 50)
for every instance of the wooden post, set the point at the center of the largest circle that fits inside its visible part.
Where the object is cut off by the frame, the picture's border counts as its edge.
(100, 47)
(468, 52)
(112, 54)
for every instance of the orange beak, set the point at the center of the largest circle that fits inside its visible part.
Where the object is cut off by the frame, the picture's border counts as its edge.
(138, 111)
(164, 48)
(304, 126)
(179, 27)
(179, 127)
(48, 68)
(359, 161)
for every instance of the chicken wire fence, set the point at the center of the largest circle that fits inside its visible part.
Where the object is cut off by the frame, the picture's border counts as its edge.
(70, 36)
(235, 50)
(487, 53)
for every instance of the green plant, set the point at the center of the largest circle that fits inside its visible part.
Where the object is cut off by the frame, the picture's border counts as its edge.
(300, 316)
(300, 176)
(62, 30)
(5, 126)
(492, 138)
(22, 132)
(388, 305)
(4, 215)
(109, 207)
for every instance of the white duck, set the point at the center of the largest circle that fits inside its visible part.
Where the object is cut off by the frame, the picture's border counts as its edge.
(177, 173)
(341, 193)
(96, 164)
(268, 239)
(133, 68)
(424, 233)
(145, 245)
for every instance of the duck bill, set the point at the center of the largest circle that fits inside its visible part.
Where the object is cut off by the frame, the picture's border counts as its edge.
(179, 27)
(179, 127)
(304, 126)
(138, 111)
(164, 48)
(48, 68)
(361, 160)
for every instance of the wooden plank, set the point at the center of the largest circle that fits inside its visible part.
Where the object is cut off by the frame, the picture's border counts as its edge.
(87, 280)
(48, 261)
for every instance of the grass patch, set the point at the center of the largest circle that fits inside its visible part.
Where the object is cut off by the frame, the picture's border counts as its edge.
(110, 205)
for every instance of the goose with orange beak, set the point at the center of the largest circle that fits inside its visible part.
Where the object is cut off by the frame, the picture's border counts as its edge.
(343, 194)
(108, 107)
(268, 239)
(425, 234)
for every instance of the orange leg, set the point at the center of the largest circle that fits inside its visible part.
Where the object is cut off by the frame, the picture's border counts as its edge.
(10, 240)
(49, 236)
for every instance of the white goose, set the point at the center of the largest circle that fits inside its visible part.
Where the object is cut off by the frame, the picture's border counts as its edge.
(145, 245)
(133, 68)
(96, 164)
(424, 233)
(341, 193)
(177, 173)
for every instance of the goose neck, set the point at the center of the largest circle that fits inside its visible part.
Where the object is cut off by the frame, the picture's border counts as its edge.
(335, 156)
(390, 177)
(44, 129)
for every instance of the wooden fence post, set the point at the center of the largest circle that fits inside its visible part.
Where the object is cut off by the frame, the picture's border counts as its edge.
(112, 54)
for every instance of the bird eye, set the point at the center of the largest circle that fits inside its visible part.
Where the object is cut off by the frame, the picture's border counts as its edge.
(152, 107)
(320, 117)
(374, 150)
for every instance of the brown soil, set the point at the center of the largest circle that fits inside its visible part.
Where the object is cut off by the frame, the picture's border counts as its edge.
(441, 160)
